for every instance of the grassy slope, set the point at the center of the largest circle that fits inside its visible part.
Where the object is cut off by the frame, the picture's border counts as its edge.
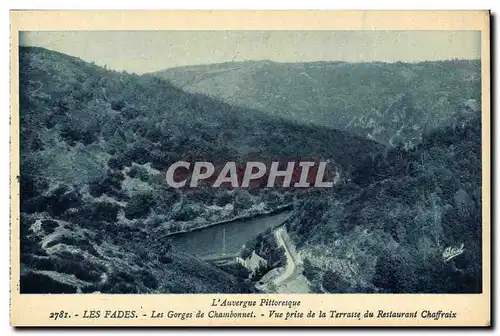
(390, 103)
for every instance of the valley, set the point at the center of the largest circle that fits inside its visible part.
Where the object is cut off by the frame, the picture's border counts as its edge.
(403, 147)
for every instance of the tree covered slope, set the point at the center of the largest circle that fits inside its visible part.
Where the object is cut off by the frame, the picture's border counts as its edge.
(95, 145)
(404, 209)
(391, 103)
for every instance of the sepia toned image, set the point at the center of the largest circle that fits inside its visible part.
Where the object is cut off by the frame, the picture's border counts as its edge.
(282, 166)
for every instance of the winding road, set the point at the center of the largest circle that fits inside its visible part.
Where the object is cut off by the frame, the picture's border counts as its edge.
(289, 278)
(290, 267)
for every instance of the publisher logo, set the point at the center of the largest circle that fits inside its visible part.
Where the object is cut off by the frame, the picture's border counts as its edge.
(452, 252)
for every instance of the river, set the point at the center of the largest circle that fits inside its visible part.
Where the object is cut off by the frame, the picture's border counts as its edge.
(226, 239)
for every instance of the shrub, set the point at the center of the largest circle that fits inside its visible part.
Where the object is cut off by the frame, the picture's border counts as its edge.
(94, 214)
(62, 199)
(223, 198)
(74, 263)
(165, 197)
(334, 283)
(186, 213)
(139, 205)
(109, 183)
(49, 225)
(242, 201)
(118, 104)
(72, 135)
(105, 211)
(139, 172)
(148, 279)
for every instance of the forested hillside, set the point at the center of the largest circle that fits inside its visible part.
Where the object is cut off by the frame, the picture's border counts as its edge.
(95, 144)
(96, 210)
(391, 103)
(389, 230)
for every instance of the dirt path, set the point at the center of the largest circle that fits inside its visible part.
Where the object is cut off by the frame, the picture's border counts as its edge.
(290, 279)
(291, 263)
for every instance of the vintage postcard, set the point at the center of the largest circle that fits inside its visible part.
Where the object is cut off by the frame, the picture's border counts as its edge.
(250, 168)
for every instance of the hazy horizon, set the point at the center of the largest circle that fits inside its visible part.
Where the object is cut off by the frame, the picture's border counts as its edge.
(148, 51)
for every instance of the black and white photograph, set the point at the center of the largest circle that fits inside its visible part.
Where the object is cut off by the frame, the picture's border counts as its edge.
(250, 162)
(156, 162)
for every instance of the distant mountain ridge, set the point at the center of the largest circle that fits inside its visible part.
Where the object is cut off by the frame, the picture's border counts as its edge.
(392, 103)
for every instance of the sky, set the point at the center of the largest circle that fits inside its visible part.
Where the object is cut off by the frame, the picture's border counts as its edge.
(148, 51)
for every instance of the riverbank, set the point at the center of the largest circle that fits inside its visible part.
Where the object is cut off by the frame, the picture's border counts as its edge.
(274, 211)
